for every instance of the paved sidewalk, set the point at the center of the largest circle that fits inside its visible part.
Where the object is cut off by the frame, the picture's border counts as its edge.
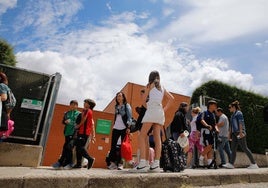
(25, 177)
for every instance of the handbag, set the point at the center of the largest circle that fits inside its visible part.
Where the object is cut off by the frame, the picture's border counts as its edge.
(134, 126)
(126, 149)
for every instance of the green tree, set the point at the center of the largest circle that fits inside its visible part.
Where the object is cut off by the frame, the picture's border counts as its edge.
(252, 106)
(7, 56)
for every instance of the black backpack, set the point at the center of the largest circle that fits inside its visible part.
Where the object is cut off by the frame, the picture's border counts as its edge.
(200, 116)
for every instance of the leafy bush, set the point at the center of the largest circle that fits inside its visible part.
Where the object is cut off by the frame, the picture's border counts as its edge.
(7, 56)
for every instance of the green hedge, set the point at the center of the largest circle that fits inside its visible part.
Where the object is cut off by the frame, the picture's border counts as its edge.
(251, 105)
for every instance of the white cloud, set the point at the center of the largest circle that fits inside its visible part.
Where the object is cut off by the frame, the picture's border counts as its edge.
(7, 4)
(221, 20)
(261, 88)
(150, 24)
(258, 44)
(262, 44)
(109, 7)
(168, 11)
(125, 17)
(46, 17)
(97, 62)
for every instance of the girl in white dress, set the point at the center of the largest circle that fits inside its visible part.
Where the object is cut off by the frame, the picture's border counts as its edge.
(154, 117)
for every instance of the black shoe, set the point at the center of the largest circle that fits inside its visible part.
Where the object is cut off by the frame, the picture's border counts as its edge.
(212, 165)
(77, 166)
(221, 165)
(90, 163)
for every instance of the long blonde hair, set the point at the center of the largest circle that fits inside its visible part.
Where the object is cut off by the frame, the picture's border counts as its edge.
(196, 110)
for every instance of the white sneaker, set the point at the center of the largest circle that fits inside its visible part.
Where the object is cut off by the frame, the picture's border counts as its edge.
(155, 167)
(201, 162)
(112, 166)
(120, 167)
(140, 168)
(253, 166)
(228, 165)
(68, 167)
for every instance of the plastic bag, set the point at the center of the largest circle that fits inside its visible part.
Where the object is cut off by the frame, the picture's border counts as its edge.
(183, 141)
(7, 133)
(126, 149)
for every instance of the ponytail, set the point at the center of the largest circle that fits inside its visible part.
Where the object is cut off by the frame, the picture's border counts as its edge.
(236, 105)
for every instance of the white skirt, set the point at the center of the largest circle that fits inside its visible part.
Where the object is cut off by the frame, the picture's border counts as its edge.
(154, 114)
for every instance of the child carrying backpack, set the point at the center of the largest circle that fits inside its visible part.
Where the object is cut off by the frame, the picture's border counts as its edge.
(8, 102)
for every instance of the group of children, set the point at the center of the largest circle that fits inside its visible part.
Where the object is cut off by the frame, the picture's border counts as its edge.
(78, 131)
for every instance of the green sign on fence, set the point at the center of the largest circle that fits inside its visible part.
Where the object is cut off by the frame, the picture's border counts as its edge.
(103, 126)
(32, 104)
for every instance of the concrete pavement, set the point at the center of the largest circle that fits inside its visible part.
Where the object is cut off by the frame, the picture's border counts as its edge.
(238, 185)
(27, 177)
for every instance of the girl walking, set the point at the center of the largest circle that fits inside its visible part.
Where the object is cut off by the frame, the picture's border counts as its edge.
(154, 117)
(238, 135)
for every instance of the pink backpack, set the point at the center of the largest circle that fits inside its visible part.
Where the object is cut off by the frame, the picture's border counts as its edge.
(6, 134)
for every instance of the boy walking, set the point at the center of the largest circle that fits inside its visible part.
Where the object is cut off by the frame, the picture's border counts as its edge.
(208, 122)
(85, 130)
(69, 121)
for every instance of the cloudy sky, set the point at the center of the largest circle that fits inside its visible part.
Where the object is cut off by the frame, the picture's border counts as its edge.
(98, 46)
